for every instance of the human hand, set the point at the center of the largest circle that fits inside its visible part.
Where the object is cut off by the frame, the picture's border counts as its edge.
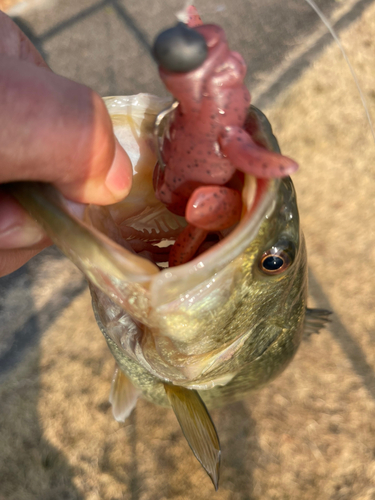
(52, 130)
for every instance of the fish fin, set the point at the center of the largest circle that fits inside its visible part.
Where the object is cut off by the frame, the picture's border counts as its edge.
(123, 396)
(315, 320)
(197, 427)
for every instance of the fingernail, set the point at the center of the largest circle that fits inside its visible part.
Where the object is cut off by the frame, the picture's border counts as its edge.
(21, 236)
(119, 177)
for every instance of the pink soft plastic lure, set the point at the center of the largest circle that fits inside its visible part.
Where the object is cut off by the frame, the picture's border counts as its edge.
(208, 148)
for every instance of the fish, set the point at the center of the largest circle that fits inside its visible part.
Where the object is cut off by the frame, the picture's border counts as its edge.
(200, 334)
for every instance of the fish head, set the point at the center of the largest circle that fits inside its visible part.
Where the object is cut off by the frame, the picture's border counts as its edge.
(228, 320)
(199, 324)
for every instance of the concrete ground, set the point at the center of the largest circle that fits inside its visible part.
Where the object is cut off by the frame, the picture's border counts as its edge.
(311, 433)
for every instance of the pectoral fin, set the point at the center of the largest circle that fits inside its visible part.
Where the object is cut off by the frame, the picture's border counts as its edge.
(123, 396)
(198, 428)
(315, 320)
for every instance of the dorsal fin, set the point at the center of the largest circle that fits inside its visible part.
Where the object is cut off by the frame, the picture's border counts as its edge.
(315, 320)
(198, 428)
(123, 396)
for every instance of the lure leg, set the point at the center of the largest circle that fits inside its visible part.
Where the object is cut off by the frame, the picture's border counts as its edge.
(252, 159)
(186, 245)
(214, 208)
(210, 208)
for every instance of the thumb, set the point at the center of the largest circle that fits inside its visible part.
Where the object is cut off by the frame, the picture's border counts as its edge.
(59, 131)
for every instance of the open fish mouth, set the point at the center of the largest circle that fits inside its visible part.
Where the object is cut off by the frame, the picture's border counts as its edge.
(123, 251)
(143, 225)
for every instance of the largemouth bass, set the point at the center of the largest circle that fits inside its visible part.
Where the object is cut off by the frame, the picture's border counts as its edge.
(206, 332)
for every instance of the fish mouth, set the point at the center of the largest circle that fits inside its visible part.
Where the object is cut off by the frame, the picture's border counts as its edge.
(146, 229)
(170, 307)
(151, 232)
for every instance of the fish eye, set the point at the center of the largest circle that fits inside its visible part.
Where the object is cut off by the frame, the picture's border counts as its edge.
(277, 259)
(180, 49)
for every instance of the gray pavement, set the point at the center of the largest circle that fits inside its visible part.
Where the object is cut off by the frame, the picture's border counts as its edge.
(106, 44)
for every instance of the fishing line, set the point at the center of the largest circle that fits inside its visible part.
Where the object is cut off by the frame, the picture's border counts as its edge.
(354, 75)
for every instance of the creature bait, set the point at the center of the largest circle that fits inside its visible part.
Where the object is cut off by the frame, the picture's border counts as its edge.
(231, 317)
(209, 142)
